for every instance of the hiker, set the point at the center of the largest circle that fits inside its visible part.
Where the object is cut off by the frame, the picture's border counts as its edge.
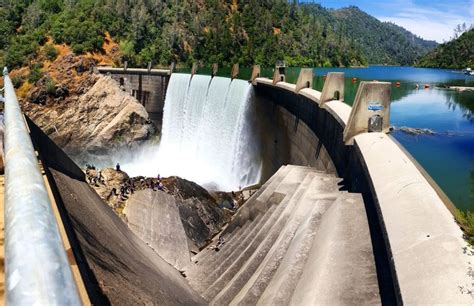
(123, 197)
(99, 177)
(113, 192)
(160, 186)
(117, 167)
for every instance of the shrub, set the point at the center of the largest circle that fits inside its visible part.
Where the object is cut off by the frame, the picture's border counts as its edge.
(51, 52)
(78, 48)
(35, 74)
(17, 81)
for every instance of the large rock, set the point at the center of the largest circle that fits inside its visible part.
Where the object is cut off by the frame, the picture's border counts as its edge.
(117, 118)
(103, 119)
(200, 213)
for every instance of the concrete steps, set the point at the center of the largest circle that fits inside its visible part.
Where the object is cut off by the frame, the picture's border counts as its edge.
(283, 243)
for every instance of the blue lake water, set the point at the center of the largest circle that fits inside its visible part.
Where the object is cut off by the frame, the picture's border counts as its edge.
(447, 156)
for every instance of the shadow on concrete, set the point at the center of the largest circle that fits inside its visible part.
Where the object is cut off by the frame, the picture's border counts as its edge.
(117, 267)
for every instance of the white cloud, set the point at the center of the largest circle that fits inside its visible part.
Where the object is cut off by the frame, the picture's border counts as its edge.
(433, 23)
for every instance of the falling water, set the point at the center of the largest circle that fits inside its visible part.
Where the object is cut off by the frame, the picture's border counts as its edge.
(207, 134)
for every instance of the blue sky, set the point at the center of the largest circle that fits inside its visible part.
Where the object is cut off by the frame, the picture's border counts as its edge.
(434, 20)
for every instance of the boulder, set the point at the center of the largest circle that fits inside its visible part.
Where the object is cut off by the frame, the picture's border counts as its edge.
(200, 212)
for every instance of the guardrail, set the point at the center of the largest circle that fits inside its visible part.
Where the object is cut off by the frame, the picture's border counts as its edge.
(37, 270)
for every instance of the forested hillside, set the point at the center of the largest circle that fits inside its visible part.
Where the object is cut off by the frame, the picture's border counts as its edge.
(456, 54)
(222, 31)
(381, 42)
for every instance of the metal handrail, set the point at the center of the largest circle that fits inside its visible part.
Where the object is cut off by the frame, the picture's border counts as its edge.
(37, 270)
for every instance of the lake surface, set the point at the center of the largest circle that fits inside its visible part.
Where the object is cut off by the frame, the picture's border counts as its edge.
(448, 156)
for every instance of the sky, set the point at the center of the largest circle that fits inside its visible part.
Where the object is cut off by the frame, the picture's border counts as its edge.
(429, 19)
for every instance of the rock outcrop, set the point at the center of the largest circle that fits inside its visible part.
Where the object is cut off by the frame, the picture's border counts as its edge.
(415, 131)
(85, 113)
(200, 212)
(103, 119)
(202, 215)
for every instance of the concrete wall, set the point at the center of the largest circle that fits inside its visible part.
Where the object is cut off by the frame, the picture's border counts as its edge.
(147, 86)
(285, 135)
(117, 267)
(420, 253)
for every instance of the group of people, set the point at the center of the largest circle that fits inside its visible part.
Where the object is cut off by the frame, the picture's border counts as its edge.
(154, 184)
(131, 185)
(126, 188)
(94, 178)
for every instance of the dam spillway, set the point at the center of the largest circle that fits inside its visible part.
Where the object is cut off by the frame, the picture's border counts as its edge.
(206, 135)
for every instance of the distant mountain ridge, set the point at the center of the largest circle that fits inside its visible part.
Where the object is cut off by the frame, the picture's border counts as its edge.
(381, 42)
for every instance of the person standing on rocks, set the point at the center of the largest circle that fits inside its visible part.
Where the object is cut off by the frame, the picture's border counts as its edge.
(117, 167)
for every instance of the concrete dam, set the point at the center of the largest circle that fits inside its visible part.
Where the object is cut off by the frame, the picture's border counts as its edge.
(344, 214)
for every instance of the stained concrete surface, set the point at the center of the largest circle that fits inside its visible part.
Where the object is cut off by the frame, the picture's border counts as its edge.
(127, 271)
(154, 217)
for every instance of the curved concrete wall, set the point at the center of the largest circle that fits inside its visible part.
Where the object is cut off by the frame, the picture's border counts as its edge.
(420, 252)
(287, 139)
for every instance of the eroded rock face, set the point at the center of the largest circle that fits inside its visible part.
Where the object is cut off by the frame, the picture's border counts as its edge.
(104, 182)
(103, 119)
(201, 214)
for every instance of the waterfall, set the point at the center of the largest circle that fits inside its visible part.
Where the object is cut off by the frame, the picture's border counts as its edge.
(207, 135)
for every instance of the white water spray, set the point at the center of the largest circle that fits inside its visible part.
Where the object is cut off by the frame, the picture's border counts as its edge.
(207, 135)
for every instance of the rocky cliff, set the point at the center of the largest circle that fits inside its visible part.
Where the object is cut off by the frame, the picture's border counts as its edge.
(103, 118)
(84, 112)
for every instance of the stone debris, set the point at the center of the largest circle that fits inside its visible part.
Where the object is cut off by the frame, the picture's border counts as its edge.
(415, 131)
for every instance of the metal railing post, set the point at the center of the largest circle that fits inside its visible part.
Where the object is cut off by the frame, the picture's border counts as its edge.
(37, 270)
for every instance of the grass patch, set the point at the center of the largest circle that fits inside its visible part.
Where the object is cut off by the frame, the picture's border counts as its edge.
(50, 85)
(466, 222)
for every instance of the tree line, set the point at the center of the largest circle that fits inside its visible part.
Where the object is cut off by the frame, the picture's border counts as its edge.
(223, 31)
